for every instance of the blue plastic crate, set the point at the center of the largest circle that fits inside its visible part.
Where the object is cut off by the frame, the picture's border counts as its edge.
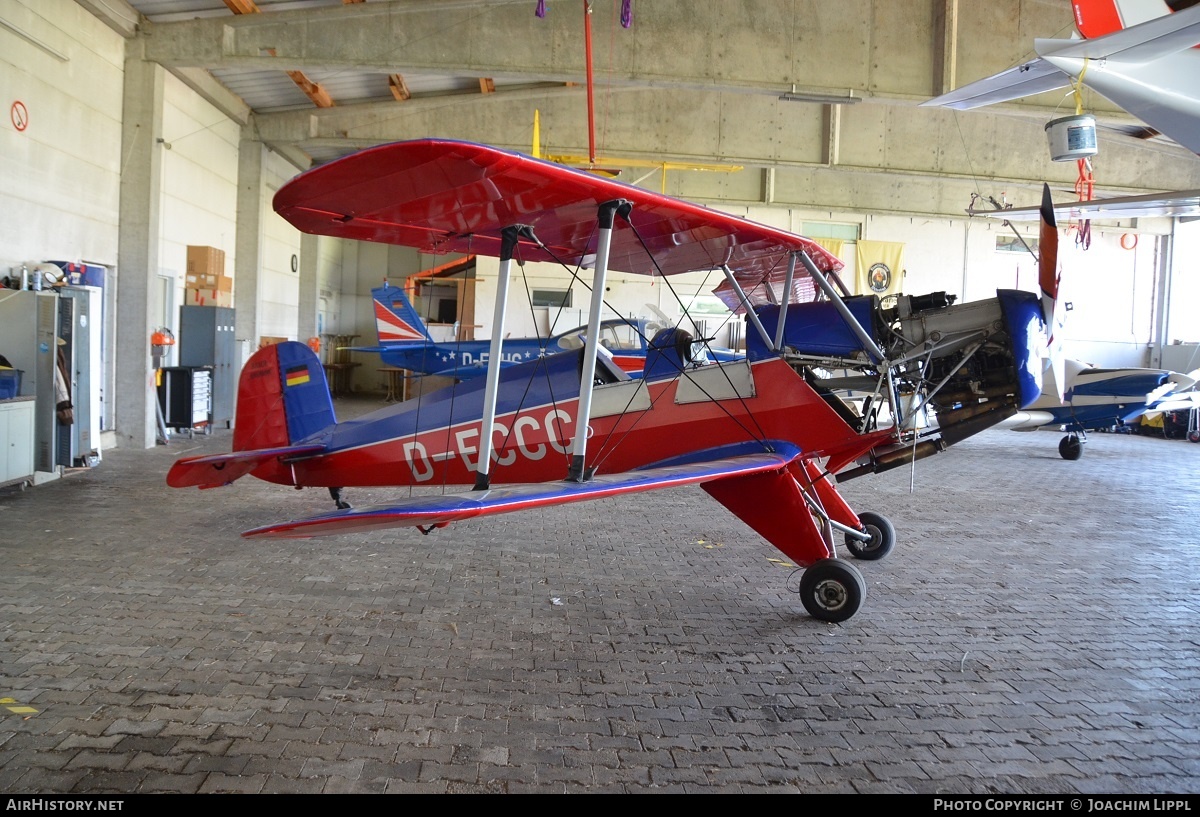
(10, 383)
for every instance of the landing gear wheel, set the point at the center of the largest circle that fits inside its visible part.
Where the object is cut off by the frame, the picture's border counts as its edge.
(1070, 447)
(883, 538)
(1194, 436)
(832, 590)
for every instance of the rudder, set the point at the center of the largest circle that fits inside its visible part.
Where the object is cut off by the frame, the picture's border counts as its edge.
(283, 398)
(395, 318)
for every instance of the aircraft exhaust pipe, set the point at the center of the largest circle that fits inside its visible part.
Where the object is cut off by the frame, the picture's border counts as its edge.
(953, 427)
(1003, 390)
(956, 426)
(894, 458)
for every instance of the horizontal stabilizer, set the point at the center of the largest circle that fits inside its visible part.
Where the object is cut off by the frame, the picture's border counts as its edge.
(222, 469)
(439, 510)
(1180, 402)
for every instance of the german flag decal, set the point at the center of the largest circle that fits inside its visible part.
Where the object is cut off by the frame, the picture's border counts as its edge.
(296, 375)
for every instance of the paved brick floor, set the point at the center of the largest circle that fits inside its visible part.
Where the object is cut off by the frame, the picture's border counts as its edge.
(1036, 630)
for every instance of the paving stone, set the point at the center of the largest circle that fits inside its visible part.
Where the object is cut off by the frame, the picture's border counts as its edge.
(1032, 632)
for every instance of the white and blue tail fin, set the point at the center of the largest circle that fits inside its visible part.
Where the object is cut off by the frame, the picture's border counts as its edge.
(395, 319)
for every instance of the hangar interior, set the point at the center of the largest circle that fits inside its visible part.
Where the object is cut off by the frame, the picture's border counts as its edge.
(155, 126)
(146, 134)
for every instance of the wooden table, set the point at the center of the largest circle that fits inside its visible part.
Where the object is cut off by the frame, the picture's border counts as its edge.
(338, 375)
(397, 384)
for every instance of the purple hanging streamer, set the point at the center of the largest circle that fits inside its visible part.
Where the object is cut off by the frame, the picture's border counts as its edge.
(626, 13)
(541, 9)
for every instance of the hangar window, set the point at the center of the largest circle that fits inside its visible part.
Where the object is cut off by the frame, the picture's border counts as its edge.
(829, 229)
(551, 297)
(1010, 243)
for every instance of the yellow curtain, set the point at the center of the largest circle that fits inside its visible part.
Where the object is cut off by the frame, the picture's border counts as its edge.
(880, 268)
(834, 245)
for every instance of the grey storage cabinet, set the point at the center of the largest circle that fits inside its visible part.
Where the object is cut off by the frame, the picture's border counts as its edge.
(206, 338)
(185, 394)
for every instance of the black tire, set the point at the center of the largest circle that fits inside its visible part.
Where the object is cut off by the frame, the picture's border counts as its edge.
(1194, 436)
(832, 590)
(883, 538)
(1070, 447)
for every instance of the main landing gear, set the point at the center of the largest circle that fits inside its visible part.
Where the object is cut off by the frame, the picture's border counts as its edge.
(799, 510)
(336, 495)
(832, 590)
(1070, 447)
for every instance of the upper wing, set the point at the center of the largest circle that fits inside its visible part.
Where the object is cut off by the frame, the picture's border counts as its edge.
(442, 509)
(444, 196)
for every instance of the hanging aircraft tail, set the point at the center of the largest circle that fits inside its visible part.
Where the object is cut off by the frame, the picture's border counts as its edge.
(1142, 58)
(283, 405)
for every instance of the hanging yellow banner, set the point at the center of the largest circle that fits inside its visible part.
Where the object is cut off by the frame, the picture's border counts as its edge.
(834, 245)
(879, 268)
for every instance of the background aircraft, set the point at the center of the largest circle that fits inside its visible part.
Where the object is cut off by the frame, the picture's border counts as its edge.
(767, 436)
(1141, 55)
(405, 342)
(1098, 399)
(1137, 53)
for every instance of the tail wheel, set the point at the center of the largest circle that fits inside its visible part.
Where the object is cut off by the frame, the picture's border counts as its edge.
(1070, 447)
(883, 538)
(832, 590)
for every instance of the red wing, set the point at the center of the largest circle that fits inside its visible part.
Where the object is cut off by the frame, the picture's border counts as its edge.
(445, 508)
(444, 196)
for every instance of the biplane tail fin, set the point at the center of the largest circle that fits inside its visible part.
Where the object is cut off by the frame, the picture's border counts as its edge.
(283, 398)
(283, 404)
(396, 321)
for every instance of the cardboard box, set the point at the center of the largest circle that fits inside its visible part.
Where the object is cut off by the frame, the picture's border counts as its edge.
(205, 261)
(208, 297)
(195, 280)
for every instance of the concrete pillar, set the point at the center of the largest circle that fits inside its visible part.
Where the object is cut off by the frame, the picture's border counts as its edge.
(138, 251)
(249, 238)
(1165, 261)
(306, 324)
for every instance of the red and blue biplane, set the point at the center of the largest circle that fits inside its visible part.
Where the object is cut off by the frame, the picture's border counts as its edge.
(832, 386)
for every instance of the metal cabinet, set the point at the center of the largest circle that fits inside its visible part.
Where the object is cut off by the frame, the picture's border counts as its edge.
(185, 394)
(206, 338)
(16, 440)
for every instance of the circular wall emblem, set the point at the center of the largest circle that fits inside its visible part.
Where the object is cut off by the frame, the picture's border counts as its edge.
(879, 277)
(19, 115)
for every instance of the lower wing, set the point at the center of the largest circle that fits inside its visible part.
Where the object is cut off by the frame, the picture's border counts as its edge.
(440, 510)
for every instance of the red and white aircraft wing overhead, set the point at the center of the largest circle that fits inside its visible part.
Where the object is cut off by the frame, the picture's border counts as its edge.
(443, 196)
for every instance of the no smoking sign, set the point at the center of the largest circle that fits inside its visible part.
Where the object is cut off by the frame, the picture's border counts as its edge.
(19, 115)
